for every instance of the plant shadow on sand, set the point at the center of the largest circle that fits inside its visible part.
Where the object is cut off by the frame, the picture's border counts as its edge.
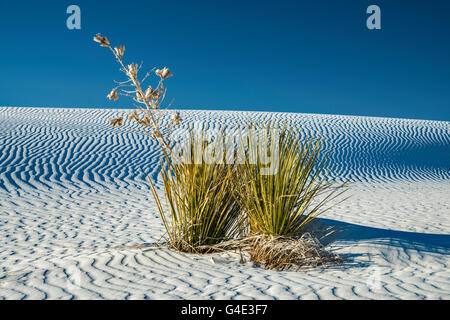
(333, 233)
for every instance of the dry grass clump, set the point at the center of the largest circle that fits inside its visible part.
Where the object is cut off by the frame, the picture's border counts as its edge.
(280, 253)
(284, 253)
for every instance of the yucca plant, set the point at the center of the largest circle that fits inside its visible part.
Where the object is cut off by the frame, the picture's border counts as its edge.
(210, 202)
(279, 204)
(202, 210)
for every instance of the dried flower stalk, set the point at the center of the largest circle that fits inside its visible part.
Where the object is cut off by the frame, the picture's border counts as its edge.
(148, 101)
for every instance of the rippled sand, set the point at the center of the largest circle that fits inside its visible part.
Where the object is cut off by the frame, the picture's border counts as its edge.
(74, 203)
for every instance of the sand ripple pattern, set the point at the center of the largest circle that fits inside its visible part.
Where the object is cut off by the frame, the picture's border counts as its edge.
(74, 204)
(76, 148)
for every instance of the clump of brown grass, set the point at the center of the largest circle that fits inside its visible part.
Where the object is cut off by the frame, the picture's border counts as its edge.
(283, 253)
(279, 253)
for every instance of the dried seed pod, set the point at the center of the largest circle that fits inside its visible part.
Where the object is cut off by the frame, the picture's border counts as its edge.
(133, 116)
(113, 95)
(102, 40)
(119, 51)
(116, 122)
(176, 119)
(132, 70)
(151, 93)
(139, 96)
(164, 73)
(156, 134)
(145, 121)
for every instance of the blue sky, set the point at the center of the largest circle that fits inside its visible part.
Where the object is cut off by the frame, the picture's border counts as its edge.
(289, 56)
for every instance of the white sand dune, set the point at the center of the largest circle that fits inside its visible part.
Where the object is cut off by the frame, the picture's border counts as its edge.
(74, 203)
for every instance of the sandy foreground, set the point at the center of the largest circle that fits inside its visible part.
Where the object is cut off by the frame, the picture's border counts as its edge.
(77, 216)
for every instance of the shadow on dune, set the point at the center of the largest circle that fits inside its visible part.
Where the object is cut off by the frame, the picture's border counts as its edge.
(333, 230)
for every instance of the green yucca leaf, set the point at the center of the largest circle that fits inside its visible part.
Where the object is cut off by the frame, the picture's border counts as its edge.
(282, 203)
(202, 210)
